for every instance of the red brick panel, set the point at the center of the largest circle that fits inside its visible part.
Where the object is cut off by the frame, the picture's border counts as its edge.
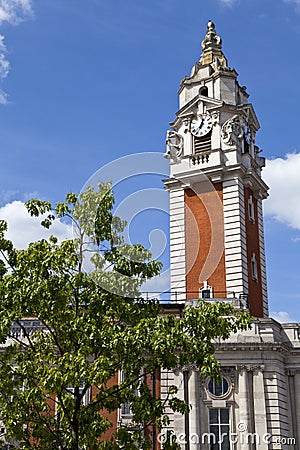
(252, 237)
(113, 416)
(198, 238)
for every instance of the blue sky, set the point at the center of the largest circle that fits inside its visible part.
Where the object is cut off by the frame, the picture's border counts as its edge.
(86, 82)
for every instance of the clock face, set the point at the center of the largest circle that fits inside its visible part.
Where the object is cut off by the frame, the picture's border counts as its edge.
(201, 125)
(247, 133)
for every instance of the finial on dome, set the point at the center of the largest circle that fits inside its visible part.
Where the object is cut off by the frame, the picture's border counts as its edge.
(211, 25)
(212, 47)
(211, 40)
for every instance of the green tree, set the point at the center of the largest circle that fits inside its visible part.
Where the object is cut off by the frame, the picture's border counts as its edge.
(88, 326)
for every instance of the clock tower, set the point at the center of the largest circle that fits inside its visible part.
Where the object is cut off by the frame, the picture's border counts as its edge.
(215, 186)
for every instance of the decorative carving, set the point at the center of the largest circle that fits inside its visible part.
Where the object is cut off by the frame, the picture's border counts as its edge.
(230, 373)
(215, 117)
(174, 143)
(233, 131)
(211, 38)
(212, 49)
(190, 367)
(203, 382)
(178, 369)
(187, 124)
(252, 368)
(292, 372)
(258, 369)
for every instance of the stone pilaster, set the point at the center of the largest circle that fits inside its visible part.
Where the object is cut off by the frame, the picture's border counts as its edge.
(259, 405)
(194, 416)
(244, 422)
(297, 404)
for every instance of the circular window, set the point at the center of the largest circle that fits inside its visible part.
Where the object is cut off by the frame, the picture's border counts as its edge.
(218, 389)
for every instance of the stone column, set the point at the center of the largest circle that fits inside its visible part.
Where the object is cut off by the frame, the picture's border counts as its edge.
(177, 417)
(292, 413)
(297, 404)
(244, 422)
(259, 404)
(194, 416)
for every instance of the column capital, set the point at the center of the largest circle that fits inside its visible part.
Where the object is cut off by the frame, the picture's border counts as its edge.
(255, 368)
(292, 372)
(190, 367)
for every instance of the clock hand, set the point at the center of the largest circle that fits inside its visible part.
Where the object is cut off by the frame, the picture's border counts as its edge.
(199, 126)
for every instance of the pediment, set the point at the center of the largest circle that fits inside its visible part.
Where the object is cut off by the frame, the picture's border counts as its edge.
(189, 108)
(251, 116)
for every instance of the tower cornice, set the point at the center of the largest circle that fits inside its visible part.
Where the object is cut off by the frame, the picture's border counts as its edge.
(223, 174)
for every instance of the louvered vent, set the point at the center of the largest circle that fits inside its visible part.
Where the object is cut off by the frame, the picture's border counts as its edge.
(202, 144)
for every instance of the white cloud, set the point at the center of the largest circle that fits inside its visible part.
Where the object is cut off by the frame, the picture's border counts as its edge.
(157, 285)
(232, 2)
(228, 2)
(8, 195)
(4, 63)
(12, 12)
(282, 317)
(23, 229)
(282, 175)
(4, 68)
(15, 11)
(296, 2)
(3, 97)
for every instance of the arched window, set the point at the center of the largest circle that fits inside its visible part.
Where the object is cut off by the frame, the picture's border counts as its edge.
(218, 389)
(251, 214)
(203, 91)
(254, 267)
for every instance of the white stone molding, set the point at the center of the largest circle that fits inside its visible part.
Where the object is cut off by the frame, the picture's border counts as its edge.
(206, 287)
(254, 267)
(235, 236)
(177, 244)
(262, 258)
(251, 215)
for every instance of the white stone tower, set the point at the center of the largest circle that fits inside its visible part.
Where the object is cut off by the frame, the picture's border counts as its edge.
(215, 185)
(217, 251)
